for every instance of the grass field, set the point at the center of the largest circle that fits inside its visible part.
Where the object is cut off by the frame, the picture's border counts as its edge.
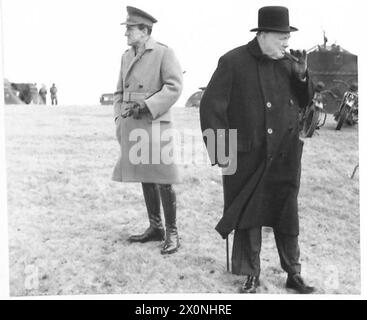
(68, 222)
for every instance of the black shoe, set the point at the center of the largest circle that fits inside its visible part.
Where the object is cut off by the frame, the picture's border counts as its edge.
(250, 285)
(171, 244)
(168, 197)
(296, 282)
(151, 234)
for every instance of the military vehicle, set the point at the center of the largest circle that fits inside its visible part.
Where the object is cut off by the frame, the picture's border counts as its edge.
(331, 63)
(325, 64)
(106, 99)
(348, 110)
(10, 95)
(20, 93)
(313, 117)
(194, 100)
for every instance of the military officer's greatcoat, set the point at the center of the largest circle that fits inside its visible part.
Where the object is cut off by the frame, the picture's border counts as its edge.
(155, 77)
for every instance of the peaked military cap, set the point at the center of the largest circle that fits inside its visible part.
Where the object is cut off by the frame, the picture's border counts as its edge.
(136, 16)
(274, 18)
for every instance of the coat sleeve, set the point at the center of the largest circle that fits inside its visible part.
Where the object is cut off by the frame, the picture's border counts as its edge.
(172, 81)
(118, 95)
(213, 110)
(304, 90)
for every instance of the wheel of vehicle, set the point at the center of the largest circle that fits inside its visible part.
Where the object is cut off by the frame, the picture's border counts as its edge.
(312, 118)
(342, 116)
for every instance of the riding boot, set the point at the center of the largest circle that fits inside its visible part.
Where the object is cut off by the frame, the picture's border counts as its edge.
(168, 197)
(155, 232)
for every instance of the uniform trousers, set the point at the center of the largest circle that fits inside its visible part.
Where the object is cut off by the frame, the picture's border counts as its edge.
(247, 246)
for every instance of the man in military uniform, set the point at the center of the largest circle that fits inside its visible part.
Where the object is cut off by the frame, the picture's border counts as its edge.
(149, 83)
(258, 92)
(53, 93)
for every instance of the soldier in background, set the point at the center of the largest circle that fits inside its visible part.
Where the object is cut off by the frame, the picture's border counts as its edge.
(43, 92)
(53, 93)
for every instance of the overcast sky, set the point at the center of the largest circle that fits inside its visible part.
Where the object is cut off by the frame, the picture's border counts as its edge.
(77, 44)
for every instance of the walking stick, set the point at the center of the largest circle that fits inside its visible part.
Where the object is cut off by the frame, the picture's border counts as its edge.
(227, 253)
(354, 171)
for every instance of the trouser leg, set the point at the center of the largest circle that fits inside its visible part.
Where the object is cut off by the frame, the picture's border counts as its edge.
(168, 197)
(155, 232)
(289, 252)
(246, 252)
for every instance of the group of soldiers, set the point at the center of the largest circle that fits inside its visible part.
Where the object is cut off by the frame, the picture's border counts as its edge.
(43, 93)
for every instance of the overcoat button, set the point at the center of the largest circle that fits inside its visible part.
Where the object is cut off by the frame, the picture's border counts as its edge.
(140, 86)
(268, 104)
(291, 102)
(270, 130)
(127, 85)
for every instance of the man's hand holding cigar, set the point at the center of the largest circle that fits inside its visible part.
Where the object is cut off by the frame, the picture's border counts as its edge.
(299, 65)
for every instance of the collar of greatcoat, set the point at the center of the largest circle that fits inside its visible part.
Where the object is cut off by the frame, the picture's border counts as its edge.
(255, 50)
(150, 44)
(131, 59)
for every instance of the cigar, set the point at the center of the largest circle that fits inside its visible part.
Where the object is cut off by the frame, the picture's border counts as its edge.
(290, 57)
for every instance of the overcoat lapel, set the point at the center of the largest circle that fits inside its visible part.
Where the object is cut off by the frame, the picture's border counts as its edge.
(129, 62)
(131, 59)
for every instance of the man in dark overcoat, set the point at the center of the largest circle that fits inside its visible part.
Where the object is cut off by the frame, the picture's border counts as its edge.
(257, 90)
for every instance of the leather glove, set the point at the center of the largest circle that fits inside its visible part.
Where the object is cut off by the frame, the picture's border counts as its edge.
(135, 110)
(127, 111)
(299, 68)
(139, 109)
